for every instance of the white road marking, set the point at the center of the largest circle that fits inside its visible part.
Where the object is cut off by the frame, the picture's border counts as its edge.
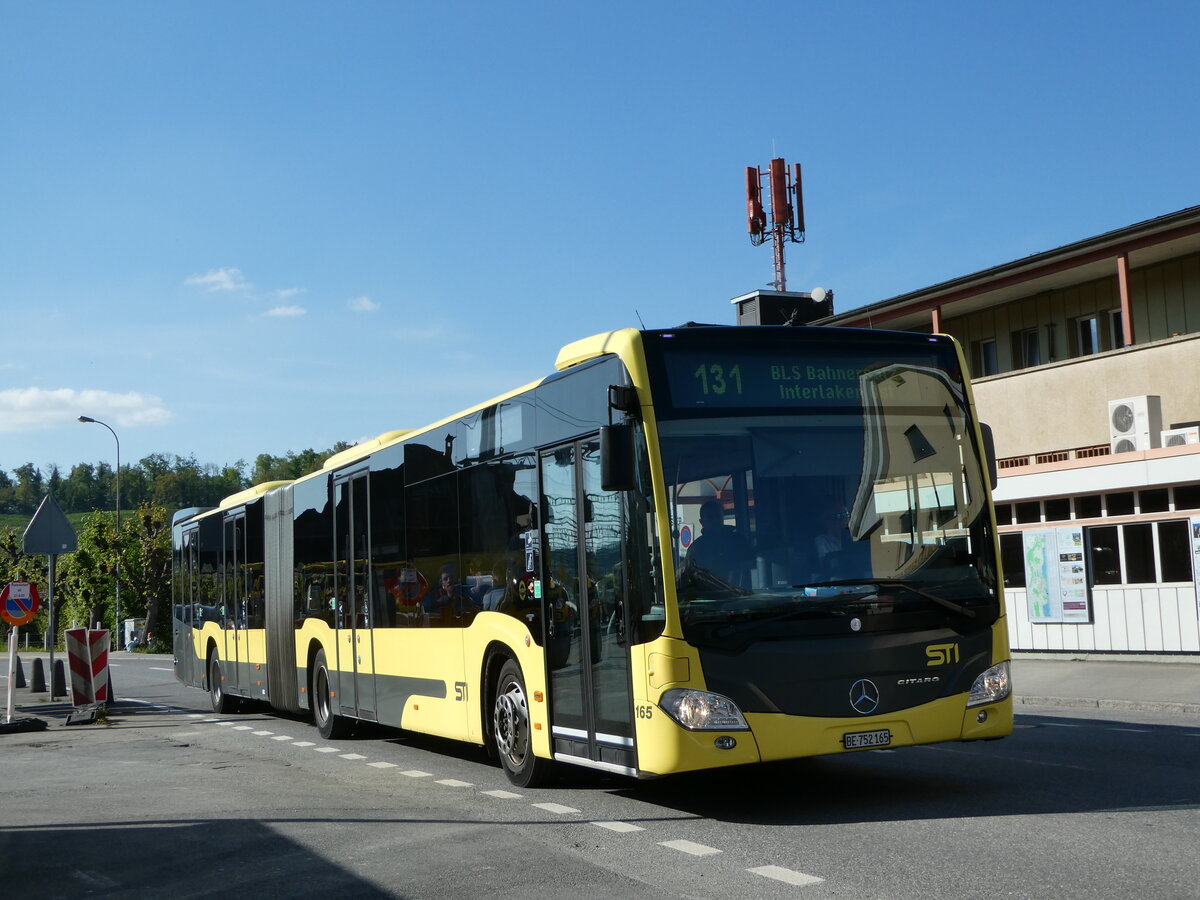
(503, 795)
(417, 773)
(263, 733)
(1132, 730)
(328, 750)
(223, 723)
(282, 737)
(382, 765)
(454, 782)
(243, 727)
(160, 669)
(353, 756)
(690, 847)
(556, 808)
(620, 827)
(788, 876)
(303, 744)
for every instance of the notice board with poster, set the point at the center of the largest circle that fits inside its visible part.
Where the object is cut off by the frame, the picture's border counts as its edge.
(1056, 583)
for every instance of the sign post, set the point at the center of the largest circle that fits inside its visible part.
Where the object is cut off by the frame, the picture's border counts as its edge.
(18, 606)
(51, 533)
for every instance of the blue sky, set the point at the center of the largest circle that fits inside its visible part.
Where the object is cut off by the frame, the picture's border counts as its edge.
(229, 228)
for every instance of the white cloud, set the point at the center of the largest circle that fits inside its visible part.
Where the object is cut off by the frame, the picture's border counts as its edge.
(36, 409)
(285, 293)
(362, 304)
(219, 280)
(286, 311)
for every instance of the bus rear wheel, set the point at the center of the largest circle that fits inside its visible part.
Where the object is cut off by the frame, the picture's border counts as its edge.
(512, 733)
(329, 724)
(221, 701)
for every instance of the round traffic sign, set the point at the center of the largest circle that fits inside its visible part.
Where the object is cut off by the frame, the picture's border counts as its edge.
(19, 603)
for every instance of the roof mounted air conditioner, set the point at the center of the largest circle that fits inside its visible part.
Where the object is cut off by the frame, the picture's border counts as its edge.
(1134, 423)
(1177, 437)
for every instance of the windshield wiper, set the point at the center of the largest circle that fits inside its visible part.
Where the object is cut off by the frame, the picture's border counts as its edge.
(898, 583)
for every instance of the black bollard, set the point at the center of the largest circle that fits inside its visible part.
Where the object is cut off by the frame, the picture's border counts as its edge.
(59, 678)
(37, 677)
(20, 675)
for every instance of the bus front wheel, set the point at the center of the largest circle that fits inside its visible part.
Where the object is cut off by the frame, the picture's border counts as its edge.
(329, 724)
(511, 730)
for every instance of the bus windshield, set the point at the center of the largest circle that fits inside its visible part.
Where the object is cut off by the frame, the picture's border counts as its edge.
(819, 489)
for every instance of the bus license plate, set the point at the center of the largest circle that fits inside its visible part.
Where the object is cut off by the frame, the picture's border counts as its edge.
(860, 739)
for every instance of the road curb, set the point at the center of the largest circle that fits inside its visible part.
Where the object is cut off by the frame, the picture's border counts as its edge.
(1095, 703)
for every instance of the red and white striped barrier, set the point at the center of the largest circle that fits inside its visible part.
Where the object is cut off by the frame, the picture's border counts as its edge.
(88, 654)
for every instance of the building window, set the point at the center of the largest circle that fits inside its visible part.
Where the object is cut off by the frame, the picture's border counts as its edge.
(1088, 507)
(1187, 496)
(1117, 327)
(1030, 511)
(1012, 560)
(1153, 501)
(1058, 509)
(1140, 552)
(1087, 335)
(986, 361)
(1003, 514)
(1119, 504)
(1026, 349)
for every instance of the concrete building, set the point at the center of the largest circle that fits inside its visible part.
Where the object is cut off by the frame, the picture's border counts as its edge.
(1086, 362)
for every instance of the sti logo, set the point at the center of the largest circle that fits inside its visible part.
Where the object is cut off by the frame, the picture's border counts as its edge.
(941, 654)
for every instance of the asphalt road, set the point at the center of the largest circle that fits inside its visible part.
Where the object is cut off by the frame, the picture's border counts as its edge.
(168, 800)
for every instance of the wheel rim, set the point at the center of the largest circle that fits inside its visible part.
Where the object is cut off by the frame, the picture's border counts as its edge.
(322, 696)
(215, 678)
(512, 722)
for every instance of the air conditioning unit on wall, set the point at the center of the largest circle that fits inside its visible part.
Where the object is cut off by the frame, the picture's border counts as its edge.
(1134, 423)
(1177, 437)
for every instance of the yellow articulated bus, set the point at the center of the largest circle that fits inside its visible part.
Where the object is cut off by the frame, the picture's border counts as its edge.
(685, 549)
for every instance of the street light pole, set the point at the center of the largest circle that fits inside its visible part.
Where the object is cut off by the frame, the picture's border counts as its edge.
(118, 489)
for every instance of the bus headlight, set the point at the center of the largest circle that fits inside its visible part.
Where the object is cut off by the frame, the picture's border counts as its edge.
(991, 686)
(702, 710)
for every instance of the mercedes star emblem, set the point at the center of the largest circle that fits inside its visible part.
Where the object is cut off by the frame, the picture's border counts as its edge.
(864, 696)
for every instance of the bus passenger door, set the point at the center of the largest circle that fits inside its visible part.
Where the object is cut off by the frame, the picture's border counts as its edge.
(590, 695)
(352, 585)
(235, 604)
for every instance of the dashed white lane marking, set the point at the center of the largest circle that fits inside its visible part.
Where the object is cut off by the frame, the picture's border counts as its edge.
(196, 715)
(353, 756)
(282, 737)
(556, 808)
(502, 795)
(1061, 725)
(382, 765)
(1132, 730)
(263, 733)
(621, 827)
(328, 750)
(454, 782)
(222, 723)
(303, 744)
(690, 847)
(788, 876)
(417, 773)
(243, 727)
(160, 669)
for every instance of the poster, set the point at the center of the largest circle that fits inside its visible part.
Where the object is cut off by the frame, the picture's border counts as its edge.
(1055, 575)
(1195, 523)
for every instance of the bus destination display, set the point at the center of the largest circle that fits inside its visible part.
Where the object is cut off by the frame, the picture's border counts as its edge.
(732, 380)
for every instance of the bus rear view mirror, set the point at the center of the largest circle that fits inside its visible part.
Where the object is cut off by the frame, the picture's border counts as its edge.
(617, 470)
(989, 450)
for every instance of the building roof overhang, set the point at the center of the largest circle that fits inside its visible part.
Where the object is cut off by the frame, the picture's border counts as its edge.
(1145, 243)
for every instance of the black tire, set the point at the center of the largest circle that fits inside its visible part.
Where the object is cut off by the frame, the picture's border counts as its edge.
(329, 724)
(511, 731)
(221, 701)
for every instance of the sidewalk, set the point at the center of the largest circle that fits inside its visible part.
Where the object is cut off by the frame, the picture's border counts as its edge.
(1084, 681)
